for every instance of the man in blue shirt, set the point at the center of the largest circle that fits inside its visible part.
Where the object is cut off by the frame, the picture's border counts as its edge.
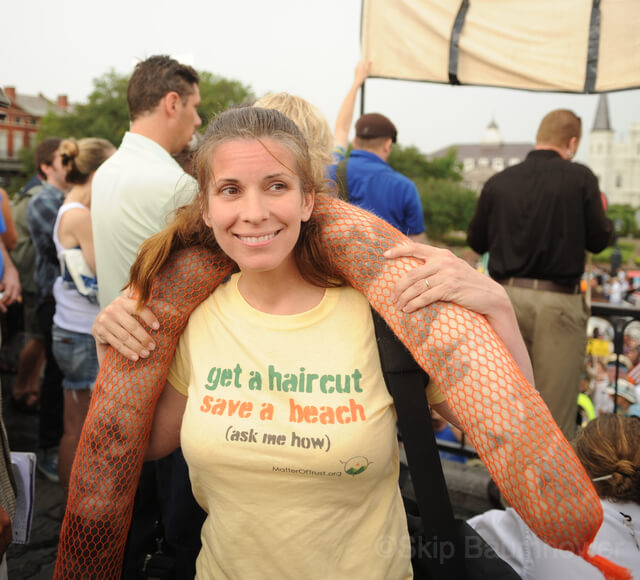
(373, 185)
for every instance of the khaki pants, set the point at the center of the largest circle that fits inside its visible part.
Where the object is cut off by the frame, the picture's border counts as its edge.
(554, 327)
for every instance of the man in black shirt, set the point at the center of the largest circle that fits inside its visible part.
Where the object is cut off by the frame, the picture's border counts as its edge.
(536, 219)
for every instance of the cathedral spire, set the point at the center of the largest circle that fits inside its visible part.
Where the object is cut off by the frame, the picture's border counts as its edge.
(601, 122)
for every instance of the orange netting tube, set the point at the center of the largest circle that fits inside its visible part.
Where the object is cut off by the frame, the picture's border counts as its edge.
(504, 417)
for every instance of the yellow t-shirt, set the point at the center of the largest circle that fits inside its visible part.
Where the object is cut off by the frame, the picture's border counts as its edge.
(290, 437)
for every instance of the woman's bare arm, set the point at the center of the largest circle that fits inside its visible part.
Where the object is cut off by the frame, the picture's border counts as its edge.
(167, 421)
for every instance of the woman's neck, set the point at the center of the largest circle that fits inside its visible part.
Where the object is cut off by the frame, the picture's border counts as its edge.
(279, 292)
(80, 194)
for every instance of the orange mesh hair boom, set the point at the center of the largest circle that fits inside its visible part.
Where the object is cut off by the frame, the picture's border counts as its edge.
(505, 418)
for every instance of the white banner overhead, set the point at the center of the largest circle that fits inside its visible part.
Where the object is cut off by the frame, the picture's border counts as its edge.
(579, 46)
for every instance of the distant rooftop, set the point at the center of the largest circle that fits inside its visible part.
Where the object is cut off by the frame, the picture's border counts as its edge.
(38, 105)
(4, 100)
(491, 146)
(478, 150)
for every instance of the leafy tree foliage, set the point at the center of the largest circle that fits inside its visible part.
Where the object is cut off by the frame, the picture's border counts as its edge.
(219, 93)
(623, 217)
(447, 206)
(104, 115)
(410, 161)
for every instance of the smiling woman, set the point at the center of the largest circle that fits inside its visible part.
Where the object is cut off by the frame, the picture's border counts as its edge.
(259, 176)
(255, 207)
(255, 380)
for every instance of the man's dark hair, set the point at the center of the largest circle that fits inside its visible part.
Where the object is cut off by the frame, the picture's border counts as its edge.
(153, 78)
(45, 150)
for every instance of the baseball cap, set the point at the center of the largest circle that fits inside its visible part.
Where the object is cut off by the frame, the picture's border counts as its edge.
(374, 125)
(625, 390)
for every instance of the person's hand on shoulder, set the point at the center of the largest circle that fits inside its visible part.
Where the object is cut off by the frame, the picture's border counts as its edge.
(444, 277)
(117, 326)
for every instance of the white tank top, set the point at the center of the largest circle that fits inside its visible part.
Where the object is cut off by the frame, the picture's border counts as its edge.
(74, 312)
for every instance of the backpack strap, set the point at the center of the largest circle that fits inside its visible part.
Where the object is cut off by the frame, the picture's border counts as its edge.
(341, 180)
(406, 383)
(29, 193)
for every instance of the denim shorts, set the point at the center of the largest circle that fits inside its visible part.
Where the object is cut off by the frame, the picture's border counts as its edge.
(76, 356)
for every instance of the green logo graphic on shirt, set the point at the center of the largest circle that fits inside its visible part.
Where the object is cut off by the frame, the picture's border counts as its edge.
(356, 465)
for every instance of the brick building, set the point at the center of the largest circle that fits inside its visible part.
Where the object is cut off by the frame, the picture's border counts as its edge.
(20, 125)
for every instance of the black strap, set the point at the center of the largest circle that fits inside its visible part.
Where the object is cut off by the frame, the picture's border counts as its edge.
(591, 72)
(454, 42)
(341, 180)
(406, 382)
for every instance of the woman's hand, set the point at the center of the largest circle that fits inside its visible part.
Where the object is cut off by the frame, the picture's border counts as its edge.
(444, 277)
(117, 326)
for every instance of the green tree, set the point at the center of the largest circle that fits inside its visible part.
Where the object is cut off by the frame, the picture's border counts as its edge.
(410, 161)
(623, 216)
(219, 93)
(447, 206)
(104, 115)
(16, 182)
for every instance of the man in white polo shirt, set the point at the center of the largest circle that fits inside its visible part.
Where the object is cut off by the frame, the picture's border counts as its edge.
(133, 193)
(141, 184)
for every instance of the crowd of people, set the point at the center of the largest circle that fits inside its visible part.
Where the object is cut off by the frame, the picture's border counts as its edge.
(89, 235)
(619, 289)
(611, 381)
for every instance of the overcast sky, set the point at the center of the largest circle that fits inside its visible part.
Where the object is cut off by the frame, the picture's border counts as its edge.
(308, 48)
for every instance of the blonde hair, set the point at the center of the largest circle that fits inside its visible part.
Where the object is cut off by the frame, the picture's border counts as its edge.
(312, 125)
(609, 448)
(188, 227)
(81, 158)
(558, 128)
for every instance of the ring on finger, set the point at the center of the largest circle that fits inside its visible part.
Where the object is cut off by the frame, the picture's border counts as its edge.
(426, 281)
